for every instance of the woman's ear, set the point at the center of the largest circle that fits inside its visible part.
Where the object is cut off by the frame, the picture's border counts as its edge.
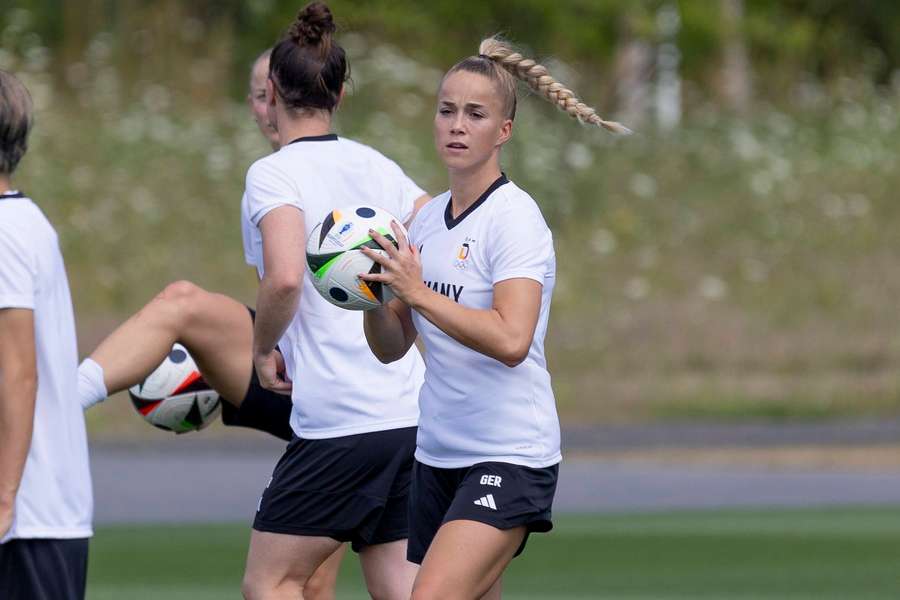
(505, 132)
(270, 92)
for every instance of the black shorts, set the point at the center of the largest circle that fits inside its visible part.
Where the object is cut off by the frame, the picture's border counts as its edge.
(498, 494)
(43, 569)
(261, 409)
(353, 488)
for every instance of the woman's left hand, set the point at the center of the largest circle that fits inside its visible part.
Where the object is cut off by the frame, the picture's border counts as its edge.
(401, 268)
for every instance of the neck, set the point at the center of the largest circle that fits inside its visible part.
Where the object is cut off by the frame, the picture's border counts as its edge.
(466, 186)
(5, 184)
(294, 125)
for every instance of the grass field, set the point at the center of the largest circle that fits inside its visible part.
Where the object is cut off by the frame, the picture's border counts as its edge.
(837, 553)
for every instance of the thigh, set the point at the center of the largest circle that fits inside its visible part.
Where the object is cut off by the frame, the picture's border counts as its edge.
(323, 582)
(39, 569)
(280, 564)
(430, 497)
(219, 336)
(387, 572)
(466, 560)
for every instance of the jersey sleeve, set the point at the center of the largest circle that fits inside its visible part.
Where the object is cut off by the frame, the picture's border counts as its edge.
(413, 231)
(247, 232)
(522, 245)
(267, 187)
(409, 190)
(17, 273)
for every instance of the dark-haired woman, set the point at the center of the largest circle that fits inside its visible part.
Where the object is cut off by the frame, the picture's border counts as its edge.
(475, 279)
(218, 331)
(346, 474)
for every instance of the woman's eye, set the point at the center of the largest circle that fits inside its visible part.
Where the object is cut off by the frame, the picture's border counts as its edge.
(444, 111)
(477, 115)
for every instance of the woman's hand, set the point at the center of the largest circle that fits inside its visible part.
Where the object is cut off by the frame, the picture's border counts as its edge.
(401, 268)
(272, 373)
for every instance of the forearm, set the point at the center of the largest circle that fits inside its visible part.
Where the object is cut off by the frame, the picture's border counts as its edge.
(485, 331)
(385, 334)
(18, 389)
(276, 304)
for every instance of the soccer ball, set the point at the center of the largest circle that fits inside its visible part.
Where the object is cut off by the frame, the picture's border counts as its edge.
(334, 257)
(174, 396)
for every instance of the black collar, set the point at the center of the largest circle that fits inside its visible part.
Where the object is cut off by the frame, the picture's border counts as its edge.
(12, 194)
(448, 212)
(328, 137)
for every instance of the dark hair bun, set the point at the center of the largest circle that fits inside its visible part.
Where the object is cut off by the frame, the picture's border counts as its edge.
(314, 23)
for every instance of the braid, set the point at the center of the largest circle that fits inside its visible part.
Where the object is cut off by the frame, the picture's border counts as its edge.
(539, 79)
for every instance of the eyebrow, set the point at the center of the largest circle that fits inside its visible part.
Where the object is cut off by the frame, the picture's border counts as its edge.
(468, 104)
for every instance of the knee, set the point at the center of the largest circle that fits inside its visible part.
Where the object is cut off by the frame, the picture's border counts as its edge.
(180, 291)
(318, 588)
(382, 592)
(433, 589)
(179, 300)
(251, 588)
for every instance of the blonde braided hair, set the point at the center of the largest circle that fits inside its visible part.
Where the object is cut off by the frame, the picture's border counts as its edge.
(539, 79)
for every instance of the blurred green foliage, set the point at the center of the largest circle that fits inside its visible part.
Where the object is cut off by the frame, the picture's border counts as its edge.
(786, 39)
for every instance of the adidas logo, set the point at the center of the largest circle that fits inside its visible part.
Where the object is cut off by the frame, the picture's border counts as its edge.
(487, 502)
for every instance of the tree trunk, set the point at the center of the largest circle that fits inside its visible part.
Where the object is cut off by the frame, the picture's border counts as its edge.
(735, 78)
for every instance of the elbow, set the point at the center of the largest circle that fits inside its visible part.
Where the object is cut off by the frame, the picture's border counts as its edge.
(29, 383)
(386, 358)
(286, 285)
(515, 353)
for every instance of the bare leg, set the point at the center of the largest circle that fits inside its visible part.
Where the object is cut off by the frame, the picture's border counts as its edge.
(496, 591)
(279, 566)
(389, 576)
(465, 561)
(216, 330)
(323, 582)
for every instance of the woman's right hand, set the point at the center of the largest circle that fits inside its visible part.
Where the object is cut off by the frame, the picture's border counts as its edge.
(271, 372)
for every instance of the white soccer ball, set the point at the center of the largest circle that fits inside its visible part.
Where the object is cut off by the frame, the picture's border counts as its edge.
(334, 257)
(174, 396)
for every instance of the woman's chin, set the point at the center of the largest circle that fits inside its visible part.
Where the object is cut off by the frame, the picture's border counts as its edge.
(456, 161)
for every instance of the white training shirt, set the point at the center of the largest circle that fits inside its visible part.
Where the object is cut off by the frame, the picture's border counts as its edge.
(473, 407)
(340, 388)
(54, 499)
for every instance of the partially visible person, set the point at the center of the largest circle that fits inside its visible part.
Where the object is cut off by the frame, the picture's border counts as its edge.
(256, 99)
(46, 502)
(345, 476)
(217, 330)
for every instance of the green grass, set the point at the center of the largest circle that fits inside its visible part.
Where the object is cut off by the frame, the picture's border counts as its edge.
(835, 553)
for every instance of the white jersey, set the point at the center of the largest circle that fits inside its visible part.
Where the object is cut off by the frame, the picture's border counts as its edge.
(54, 499)
(340, 388)
(473, 407)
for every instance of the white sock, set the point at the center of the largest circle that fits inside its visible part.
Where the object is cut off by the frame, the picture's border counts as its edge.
(91, 388)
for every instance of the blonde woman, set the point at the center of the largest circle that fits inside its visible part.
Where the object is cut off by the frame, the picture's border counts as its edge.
(475, 279)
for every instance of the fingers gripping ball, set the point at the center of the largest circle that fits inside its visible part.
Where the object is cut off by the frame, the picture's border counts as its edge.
(175, 397)
(334, 257)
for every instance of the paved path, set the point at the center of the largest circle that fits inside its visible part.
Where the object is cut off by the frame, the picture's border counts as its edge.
(754, 434)
(218, 478)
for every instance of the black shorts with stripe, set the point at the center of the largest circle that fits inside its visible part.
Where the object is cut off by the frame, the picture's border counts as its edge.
(498, 494)
(353, 488)
(261, 409)
(43, 569)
